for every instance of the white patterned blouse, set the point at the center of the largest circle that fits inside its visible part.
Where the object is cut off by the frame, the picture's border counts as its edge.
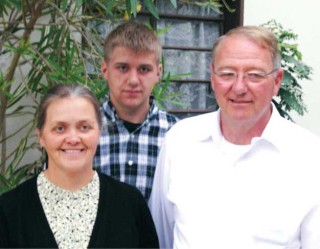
(71, 215)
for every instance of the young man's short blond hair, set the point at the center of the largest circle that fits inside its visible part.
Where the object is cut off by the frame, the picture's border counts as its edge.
(135, 36)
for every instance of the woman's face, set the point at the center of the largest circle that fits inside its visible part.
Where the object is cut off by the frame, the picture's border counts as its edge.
(70, 135)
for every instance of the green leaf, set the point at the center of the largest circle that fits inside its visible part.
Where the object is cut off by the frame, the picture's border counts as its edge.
(174, 3)
(79, 3)
(152, 8)
(64, 5)
(110, 5)
(163, 30)
(23, 48)
(134, 4)
(128, 6)
(4, 86)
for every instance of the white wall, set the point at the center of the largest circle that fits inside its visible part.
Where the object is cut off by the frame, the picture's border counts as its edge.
(302, 17)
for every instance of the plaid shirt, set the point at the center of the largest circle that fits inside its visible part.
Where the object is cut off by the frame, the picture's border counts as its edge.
(132, 157)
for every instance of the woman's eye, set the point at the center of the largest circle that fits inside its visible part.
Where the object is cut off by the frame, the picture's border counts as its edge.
(59, 129)
(85, 127)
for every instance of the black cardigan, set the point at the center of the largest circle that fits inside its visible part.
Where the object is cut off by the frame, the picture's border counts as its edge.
(123, 218)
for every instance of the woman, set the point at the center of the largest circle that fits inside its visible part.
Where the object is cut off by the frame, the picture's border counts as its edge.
(69, 205)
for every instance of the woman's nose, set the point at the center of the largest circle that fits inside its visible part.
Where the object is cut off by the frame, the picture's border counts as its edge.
(73, 137)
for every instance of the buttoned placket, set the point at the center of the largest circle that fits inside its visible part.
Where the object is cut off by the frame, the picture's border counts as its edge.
(130, 160)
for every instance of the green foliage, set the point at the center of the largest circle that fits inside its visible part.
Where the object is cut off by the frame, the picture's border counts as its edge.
(123, 9)
(295, 70)
(49, 42)
(160, 91)
(210, 5)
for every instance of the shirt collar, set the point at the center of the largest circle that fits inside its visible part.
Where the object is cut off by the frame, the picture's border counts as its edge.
(111, 113)
(275, 129)
(216, 134)
(207, 127)
(271, 134)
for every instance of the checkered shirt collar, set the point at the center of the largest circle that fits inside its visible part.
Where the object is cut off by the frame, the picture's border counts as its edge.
(111, 113)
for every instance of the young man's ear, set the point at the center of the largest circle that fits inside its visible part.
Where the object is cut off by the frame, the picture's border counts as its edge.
(159, 73)
(104, 70)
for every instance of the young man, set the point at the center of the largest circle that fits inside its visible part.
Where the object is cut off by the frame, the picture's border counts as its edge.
(243, 176)
(133, 125)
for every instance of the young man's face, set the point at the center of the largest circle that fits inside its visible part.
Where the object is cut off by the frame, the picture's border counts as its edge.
(131, 77)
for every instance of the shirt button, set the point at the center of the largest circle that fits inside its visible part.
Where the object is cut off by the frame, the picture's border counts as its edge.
(130, 162)
(132, 136)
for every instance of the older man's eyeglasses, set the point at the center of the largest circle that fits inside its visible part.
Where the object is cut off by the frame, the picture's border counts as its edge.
(252, 77)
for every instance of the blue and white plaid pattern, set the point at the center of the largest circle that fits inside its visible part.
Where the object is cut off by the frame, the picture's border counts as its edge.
(132, 157)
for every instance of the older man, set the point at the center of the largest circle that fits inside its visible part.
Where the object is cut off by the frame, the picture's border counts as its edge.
(241, 177)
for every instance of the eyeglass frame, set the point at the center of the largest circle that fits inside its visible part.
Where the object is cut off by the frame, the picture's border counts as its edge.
(245, 75)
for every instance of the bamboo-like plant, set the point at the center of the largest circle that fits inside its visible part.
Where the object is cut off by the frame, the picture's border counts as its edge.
(48, 42)
(214, 5)
(42, 43)
(54, 57)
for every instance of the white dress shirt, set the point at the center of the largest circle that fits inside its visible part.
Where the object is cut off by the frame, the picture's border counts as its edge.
(208, 193)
